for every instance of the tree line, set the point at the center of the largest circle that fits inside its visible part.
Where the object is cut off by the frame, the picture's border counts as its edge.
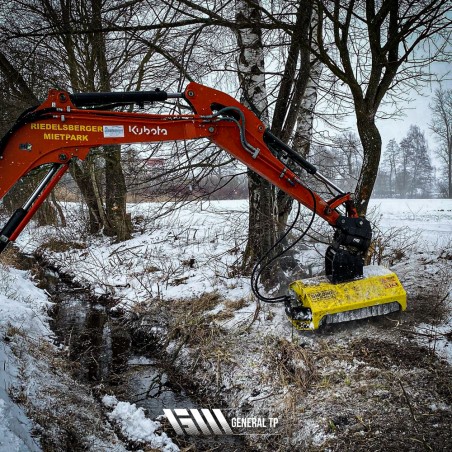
(406, 170)
(409, 168)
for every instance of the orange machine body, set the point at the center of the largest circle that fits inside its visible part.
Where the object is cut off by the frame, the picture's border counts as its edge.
(63, 132)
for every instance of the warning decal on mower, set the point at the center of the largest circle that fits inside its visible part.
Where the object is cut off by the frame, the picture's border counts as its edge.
(324, 295)
(390, 282)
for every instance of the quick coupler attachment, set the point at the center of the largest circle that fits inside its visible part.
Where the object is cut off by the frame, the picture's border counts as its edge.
(341, 265)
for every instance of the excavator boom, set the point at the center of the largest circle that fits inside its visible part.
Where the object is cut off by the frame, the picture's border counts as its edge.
(66, 126)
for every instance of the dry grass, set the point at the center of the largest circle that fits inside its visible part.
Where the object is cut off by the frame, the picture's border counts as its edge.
(391, 246)
(235, 305)
(195, 306)
(190, 325)
(56, 245)
(193, 329)
(230, 307)
(10, 257)
(12, 331)
(290, 364)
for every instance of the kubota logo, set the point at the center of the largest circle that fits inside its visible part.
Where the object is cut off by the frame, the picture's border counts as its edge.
(144, 130)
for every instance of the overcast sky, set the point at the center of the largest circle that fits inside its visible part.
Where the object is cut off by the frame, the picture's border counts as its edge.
(418, 114)
(418, 111)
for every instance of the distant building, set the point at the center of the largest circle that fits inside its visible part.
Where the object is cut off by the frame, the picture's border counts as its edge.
(155, 162)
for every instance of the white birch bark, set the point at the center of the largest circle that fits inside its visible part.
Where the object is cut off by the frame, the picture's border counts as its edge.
(251, 73)
(305, 118)
(250, 65)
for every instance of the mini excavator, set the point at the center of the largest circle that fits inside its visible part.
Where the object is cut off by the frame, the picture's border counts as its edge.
(66, 126)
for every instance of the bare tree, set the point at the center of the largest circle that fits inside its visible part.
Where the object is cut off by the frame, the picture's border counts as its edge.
(441, 126)
(270, 207)
(416, 170)
(17, 96)
(88, 61)
(376, 49)
(251, 72)
(305, 119)
(390, 162)
(349, 154)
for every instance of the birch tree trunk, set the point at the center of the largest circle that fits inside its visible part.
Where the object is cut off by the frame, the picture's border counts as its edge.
(269, 206)
(305, 121)
(301, 142)
(305, 118)
(298, 112)
(251, 72)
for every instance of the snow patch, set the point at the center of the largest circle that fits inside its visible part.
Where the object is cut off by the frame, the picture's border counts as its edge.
(22, 311)
(136, 426)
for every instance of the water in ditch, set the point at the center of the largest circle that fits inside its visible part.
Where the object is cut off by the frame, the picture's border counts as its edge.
(105, 355)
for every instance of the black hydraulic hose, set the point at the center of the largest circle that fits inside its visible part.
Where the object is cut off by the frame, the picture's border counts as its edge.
(241, 126)
(126, 97)
(274, 142)
(258, 269)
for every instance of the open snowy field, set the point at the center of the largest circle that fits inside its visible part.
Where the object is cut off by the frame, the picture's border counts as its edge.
(197, 248)
(194, 251)
(431, 217)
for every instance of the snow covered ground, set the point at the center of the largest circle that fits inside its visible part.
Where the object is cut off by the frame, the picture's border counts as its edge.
(185, 255)
(431, 217)
(196, 249)
(22, 310)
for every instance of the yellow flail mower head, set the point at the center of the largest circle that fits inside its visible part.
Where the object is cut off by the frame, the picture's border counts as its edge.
(316, 301)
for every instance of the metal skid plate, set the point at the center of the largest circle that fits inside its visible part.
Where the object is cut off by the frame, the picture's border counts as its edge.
(378, 292)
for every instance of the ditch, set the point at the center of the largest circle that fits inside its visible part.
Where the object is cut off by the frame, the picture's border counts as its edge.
(112, 358)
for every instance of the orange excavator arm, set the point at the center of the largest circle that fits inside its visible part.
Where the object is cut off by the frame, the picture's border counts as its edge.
(66, 126)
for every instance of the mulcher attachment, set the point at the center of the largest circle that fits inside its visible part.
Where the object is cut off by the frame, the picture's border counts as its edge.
(317, 301)
(348, 291)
